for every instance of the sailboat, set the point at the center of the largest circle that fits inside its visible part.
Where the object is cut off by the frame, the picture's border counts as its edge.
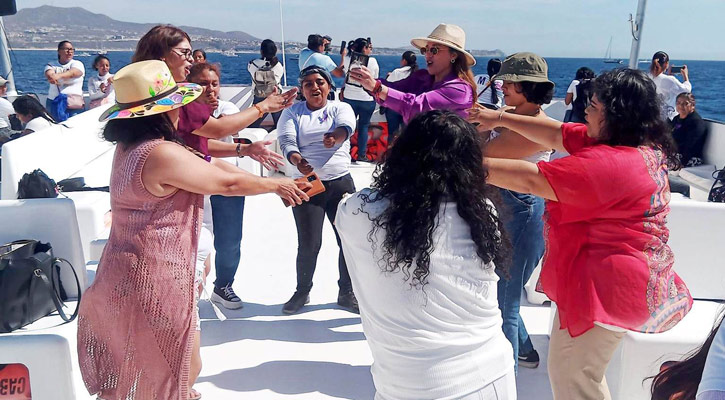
(608, 56)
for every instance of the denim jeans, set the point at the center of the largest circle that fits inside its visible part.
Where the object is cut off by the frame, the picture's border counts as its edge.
(363, 112)
(309, 217)
(522, 217)
(275, 116)
(395, 122)
(227, 214)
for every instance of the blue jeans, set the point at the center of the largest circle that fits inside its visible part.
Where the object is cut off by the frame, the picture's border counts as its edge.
(395, 122)
(363, 112)
(227, 215)
(522, 217)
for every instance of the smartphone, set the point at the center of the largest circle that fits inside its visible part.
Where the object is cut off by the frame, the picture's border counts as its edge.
(317, 186)
(342, 46)
(241, 140)
(356, 61)
(675, 69)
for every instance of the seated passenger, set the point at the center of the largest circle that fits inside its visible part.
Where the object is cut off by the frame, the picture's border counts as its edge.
(690, 133)
(424, 245)
(199, 56)
(32, 114)
(6, 110)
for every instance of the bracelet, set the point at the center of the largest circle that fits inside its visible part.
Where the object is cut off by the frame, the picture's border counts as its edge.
(239, 150)
(377, 89)
(259, 109)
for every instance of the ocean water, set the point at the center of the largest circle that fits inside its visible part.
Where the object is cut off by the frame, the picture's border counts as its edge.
(707, 78)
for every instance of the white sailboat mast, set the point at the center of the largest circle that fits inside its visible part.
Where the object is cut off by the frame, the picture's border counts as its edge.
(284, 60)
(6, 68)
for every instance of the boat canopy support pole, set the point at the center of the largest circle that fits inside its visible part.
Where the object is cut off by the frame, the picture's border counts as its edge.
(6, 69)
(637, 24)
(284, 61)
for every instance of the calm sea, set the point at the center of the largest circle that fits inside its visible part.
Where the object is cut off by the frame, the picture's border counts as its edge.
(707, 78)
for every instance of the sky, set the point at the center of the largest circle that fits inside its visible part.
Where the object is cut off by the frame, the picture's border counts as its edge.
(686, 29)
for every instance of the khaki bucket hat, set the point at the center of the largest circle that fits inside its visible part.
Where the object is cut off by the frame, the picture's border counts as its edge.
(524, 67)
(449, 35)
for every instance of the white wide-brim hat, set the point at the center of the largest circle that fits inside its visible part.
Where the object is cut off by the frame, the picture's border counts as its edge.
(449, 35)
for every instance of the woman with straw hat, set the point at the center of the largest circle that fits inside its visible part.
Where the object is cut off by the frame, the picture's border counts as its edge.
(137, 319)
(446, 84)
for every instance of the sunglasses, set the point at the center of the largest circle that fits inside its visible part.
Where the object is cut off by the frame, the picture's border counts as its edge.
(68, 49)
(433, 50)
(186, 53)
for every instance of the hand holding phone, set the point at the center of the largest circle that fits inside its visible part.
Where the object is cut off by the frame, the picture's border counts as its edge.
(674, 69)
(343, 47)
(310, 184)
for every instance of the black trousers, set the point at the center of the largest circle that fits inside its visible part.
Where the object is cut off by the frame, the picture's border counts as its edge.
(309, 218)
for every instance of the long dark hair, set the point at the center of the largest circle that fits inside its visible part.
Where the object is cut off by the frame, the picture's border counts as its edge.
(660, 59)
(158, 42)
(632, 112)
(269, 52)
(683, 377)
(29, 105)
(492, 68)
(437, 158)
(411, 60)
(463, 70)
(130, 131)
(584, 73)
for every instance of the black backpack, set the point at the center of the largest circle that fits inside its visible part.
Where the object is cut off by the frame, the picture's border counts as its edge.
(37, 185)
(583, 98)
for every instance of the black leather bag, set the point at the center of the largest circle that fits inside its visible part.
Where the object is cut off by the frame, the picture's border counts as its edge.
(30, 285)
(717, 191)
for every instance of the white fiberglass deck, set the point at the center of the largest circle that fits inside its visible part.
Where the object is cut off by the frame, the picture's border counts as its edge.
(320, 353)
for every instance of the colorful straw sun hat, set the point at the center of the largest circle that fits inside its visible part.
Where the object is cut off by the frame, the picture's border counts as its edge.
(449, 35)
(146, 88)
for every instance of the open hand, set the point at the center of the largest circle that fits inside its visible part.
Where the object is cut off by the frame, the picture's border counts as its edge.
(483, 118)
(258, 151)
(292, 192)
(277, 102)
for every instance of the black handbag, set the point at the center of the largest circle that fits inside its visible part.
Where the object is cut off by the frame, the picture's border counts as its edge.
(30, 285)
(717, 191)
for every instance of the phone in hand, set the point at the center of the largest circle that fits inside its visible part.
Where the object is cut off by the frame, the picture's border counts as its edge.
(241, 140)
(342, 46)
(357, 60)
(317, 186)
(675, 69)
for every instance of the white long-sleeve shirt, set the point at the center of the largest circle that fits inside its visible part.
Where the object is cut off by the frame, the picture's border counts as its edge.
(440, 342)
(668, 87)
(94, 88)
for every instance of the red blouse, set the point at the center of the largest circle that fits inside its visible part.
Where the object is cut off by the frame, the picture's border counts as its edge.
(607, 258)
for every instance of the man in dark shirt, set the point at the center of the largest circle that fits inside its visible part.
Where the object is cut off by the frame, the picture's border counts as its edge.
(690, 132)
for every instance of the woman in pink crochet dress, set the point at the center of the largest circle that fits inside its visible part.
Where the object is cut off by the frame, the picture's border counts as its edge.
(137, 319)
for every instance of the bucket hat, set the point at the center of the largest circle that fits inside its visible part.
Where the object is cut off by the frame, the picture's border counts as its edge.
(449, 35)
(147, 88)
(524, 67)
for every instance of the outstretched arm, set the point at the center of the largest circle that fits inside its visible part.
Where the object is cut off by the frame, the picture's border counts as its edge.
(544, 131)
(519, 176)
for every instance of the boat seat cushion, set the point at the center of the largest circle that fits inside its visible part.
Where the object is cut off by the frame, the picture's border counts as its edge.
(700, 176)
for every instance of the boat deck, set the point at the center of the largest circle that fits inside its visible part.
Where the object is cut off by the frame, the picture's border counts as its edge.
(320, 353)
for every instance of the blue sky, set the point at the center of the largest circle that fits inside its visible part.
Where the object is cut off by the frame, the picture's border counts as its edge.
(686, 29)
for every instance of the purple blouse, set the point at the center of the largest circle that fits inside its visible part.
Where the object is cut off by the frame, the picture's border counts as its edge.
(418, 93)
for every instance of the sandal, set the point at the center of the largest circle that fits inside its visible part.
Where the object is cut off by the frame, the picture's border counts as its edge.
(194, 394)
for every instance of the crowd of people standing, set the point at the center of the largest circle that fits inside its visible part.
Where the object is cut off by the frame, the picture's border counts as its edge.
(465, 204)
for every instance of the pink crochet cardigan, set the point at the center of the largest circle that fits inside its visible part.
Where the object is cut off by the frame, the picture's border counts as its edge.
(136, 320)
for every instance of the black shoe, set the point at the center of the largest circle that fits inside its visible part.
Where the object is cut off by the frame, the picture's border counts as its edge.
(297, 301)
(226, 297)
(348, 301)
(530, 360)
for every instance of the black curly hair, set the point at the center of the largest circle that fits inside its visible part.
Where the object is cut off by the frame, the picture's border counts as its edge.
(632, 113)
(536, 92)
(437, 158)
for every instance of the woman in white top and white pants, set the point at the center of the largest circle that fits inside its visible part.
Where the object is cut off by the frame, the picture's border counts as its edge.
(423, 263)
